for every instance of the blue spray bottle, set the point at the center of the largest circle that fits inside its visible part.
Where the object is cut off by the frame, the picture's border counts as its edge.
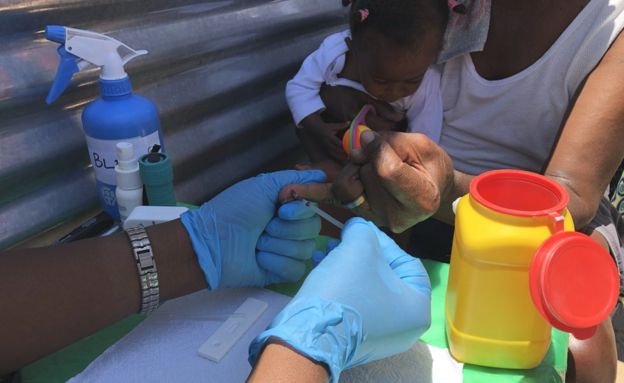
(119, 115)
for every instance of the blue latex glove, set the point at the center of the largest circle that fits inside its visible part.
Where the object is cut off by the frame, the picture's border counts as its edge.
(366, 300)
(319, 255)
(240, 242)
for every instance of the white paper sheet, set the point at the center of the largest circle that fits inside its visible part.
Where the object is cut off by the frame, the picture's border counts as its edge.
(163, 348)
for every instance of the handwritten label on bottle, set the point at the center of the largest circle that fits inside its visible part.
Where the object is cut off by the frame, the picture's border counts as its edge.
(104, 156)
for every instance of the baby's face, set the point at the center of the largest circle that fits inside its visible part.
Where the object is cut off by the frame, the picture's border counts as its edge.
(390, 71)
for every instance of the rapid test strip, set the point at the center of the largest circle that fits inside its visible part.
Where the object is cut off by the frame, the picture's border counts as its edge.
(230, 331)
(324, 215)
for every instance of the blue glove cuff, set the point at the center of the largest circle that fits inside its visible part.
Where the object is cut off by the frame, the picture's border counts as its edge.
(323, 330)
(206, 249)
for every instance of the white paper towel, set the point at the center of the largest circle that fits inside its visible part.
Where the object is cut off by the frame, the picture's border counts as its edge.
(163, 348)
(423, 363)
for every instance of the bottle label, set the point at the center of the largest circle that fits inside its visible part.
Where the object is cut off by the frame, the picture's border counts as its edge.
(108, 200)
(103, 154)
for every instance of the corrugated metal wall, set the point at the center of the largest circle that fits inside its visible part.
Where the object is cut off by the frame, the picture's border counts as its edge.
(215, 69)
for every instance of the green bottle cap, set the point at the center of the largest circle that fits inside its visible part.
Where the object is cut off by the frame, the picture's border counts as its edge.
(157, 174)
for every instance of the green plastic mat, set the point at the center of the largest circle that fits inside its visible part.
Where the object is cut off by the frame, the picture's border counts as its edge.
(68, 362)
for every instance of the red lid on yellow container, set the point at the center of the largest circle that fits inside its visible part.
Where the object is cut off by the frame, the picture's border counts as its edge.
(574, 283)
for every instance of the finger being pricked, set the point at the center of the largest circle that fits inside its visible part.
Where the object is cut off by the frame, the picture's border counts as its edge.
(345, 188)
(319, 192)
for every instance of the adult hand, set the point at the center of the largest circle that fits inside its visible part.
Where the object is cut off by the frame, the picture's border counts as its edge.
(366, 300)
(343, 104)
(240, 242)
(403, 176)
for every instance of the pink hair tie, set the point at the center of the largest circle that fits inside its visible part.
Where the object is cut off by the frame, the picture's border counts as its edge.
(456, 7)
(363, 14)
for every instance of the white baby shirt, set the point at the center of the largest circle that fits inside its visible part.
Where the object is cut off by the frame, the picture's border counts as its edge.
(423, 108)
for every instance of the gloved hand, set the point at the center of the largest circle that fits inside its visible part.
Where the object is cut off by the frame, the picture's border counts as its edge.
(239, 241)
(319, 255)
(366, 300)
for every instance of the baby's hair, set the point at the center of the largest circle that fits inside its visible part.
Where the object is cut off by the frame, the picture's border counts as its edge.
(399, 20)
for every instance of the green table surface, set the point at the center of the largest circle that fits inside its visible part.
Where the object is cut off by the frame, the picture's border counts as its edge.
(69, 361)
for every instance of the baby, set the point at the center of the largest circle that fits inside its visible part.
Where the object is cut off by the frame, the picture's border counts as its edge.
(386, 53)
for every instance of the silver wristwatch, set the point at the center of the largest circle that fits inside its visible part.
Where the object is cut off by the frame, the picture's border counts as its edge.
(148, 275)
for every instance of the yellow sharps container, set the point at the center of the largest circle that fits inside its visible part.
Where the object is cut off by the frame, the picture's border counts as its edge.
(517, 267)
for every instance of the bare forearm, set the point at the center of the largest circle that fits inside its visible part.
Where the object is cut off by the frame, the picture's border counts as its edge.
(178, 269)
(279, 363)
(54, 296)
(591, 145)
(583, 202)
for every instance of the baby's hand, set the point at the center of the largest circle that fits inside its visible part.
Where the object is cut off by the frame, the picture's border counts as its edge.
(331, 168)
(331, 138)
(328, 135)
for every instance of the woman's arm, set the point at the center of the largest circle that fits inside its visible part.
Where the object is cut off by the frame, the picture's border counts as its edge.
(281, 363)
(589, 150)
(591, 145)
(57, 295)
(54, 296)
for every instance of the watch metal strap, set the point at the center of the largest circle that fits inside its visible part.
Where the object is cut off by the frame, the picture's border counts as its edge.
(148, 275)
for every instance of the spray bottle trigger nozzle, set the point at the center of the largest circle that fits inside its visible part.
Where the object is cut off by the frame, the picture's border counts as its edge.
(80, 49)
(55, 33)
(132, 54)
(68, 65)
(101, 50)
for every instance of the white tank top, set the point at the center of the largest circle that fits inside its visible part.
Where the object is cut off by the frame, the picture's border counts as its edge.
(514, 122)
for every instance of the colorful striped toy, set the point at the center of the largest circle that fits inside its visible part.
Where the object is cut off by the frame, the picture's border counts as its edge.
(351, 138)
